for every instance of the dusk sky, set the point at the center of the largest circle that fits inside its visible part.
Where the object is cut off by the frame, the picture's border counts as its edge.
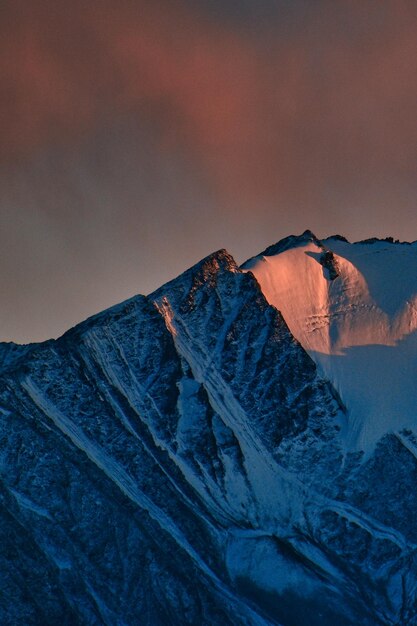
(138, 136)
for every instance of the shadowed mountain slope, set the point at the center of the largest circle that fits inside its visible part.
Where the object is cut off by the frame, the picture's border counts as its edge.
(179, 459)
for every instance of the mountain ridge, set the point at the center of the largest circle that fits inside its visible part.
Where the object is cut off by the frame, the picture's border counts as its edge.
(181, 459)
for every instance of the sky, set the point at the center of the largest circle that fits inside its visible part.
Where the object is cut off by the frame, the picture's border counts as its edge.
(138, 136)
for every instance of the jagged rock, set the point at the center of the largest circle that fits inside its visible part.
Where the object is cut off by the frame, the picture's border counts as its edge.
(179, 459)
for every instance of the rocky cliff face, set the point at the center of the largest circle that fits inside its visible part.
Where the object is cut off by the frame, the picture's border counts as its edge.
(178, 459)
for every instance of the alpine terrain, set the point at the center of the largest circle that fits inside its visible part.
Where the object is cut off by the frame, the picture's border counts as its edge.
(237, 448)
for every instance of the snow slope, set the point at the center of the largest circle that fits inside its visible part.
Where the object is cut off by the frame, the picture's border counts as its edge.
(353, 307)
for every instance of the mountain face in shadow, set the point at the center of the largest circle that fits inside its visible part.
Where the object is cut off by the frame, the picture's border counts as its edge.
(181, 459)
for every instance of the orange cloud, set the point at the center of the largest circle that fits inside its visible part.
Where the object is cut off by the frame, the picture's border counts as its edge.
(278, 110)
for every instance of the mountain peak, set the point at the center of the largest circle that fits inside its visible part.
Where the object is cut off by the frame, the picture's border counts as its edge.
(205, 270)
(292, 241)
(221, 259)
(352, 307)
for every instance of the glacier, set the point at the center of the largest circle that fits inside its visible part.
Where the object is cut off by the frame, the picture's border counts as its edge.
(195, 456)
(353, 307)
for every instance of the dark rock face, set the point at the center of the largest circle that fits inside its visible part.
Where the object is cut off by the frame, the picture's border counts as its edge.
(292, 241)
(177, 460)
(329, 263)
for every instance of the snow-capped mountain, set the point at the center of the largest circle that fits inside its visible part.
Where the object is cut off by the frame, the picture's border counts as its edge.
(353, 307)
(202, 455)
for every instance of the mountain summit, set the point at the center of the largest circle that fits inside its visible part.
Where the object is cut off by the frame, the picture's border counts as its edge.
(353, 307)
(192, 457)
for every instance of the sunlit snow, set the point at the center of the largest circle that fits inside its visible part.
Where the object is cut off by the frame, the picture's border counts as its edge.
(359, 326)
